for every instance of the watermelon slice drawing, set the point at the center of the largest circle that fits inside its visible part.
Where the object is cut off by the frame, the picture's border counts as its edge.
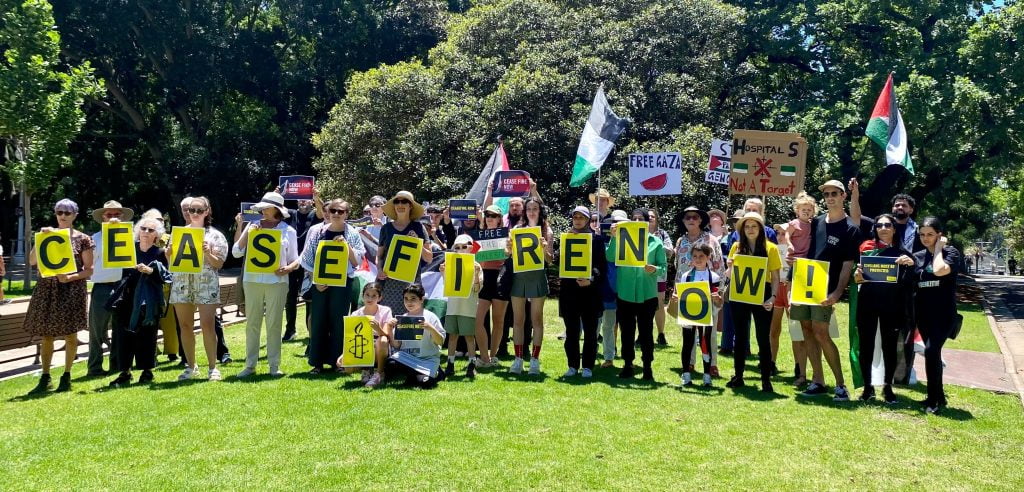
(655, 183)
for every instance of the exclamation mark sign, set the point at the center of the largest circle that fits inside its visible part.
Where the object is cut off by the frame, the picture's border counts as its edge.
(810, 280)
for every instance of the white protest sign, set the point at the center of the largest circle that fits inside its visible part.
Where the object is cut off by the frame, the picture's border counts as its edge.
(655, 174)
(718, 162)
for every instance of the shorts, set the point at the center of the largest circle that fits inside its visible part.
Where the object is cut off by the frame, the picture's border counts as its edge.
(801, 312)
(195, 288)
(460, 325)
(489, 290)
(782, 296)
(662, 286)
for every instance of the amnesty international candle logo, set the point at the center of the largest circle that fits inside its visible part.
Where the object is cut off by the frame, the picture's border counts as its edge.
(358, 342)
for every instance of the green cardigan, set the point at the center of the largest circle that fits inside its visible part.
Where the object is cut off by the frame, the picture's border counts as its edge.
(633, 284)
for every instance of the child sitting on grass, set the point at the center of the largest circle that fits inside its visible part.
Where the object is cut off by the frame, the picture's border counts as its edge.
(381, 316)
(460, 317)
(417, 360)
(700, 273)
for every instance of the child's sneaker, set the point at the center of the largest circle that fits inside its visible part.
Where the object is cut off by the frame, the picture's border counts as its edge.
(586, 373)
(707, 379)
(534, 366)
(814, 389)
(374, 381)
(841, 394)
(687, 380)
(569, 373)
(471, 369)
(367, 374)
(517, 366)
(214, 374)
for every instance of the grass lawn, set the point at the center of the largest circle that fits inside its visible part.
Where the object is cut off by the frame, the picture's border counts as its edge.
(17, 289)
(976, 334)
(499, 432)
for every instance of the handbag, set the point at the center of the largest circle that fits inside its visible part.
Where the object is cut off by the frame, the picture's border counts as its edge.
(958, 323)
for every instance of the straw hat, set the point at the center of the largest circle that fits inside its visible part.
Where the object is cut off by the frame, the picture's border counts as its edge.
(737, 215)
(705, 218)
(718, 213)
(414, 213)
(126, 213)
(602, 193)
(271, 199)
(754, 216)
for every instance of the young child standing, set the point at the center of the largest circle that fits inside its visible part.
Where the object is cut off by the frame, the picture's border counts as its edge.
(798, 231)
(701, 253)
(424, 352)
(460, 317)
(381, 316)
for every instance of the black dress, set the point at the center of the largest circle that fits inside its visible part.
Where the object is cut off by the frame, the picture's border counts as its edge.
(935, 309)
(138, 342)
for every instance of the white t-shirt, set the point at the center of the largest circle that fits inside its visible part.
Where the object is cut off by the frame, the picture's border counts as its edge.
(425, 348)
(102, 275)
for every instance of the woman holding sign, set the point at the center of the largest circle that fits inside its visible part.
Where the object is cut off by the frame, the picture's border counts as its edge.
(531, 284)
(270, 249)
(191, 291)
(579, 303)
(404, 212)
(331, 255)
(753, 243)
(935, 270)
(883, 302)
(491, 296)
(57, 307)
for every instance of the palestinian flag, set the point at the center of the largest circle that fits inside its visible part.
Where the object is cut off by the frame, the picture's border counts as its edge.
(740, 167)
(886, 128)
(497, 162)
(599, 135)
(787, 170)
(365, 274)
(432, 281)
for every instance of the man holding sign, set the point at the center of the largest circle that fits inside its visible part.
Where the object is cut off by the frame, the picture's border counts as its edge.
(104, 278)
(834, 238)
(636, 287)
(332, 254)
(582, 267)
(270, 250)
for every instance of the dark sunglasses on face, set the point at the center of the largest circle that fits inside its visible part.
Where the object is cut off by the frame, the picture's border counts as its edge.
(401, 202)
(196, 211)
(829, 194)
(337, 211)
(376, 205)
(64, 212)
(883, 225)
(146, 229)
(691, 217)
(461, 246)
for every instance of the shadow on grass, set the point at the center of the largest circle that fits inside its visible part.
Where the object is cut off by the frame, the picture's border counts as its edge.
(30, 397)
(520, 378)
(175, 384)
(699, 390)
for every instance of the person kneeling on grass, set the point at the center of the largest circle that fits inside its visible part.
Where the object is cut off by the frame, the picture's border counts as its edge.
(700, 273)
(417, 360)
(381, 315)
(461, 315)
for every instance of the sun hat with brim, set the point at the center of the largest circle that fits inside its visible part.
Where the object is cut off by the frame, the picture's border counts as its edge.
(126, 213)
(493, 209)
(704, 217)
(754, 216)
(467, 239)
(717, 213)
(415, 212)
(833, 183)
(602, 193)
(737, 215)
(580, 209)
(272, 199)
(619, 216)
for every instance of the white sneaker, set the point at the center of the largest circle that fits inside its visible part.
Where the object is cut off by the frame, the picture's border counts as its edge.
(707, 380)
(913, 376)
(517, 366)
(189, 373)
(534, 366)
(459, 354)
(687, 379)
(214, 374)
(587, 373)
(275, 372)
(568, 373)
(248, 371)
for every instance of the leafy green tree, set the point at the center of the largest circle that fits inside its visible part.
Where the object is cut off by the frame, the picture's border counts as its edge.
(40, 110)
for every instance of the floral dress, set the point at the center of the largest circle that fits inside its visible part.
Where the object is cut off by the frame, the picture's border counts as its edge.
(56, 309)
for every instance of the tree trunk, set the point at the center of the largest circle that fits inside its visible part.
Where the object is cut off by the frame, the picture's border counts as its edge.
(26, 203)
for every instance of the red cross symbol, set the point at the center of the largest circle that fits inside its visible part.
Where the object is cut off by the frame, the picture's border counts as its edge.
(762, 167)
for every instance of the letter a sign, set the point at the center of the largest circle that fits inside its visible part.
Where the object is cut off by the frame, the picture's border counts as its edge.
(187, 249)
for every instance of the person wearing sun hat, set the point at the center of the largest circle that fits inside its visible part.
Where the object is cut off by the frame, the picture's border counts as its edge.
(602, 202)
(835, 238)
(267, 292)
(693, 233)
(717, 221)
(103, 282)
(404, 213)
(754, 243)
(580, 304)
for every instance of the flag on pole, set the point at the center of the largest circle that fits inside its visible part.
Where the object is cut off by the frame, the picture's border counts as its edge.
(497, 162)
(886, 128)
(599, 135)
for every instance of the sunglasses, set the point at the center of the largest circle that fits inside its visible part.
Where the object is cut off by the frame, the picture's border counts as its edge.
(691, 217)
(337, 211)
(64, 212)
(461, 246)
(195, 211)
(146, 229)
(830, 194)
(376, 205)
(883, 225)
(492, 216)
(112, 215)
(401, 201)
